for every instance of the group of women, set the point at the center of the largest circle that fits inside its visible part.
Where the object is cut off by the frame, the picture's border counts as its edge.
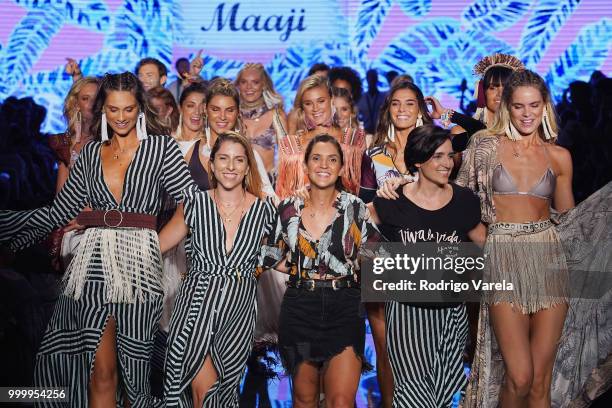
(240, 207)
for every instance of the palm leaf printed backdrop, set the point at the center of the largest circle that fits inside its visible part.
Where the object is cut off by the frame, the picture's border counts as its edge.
(433, 40)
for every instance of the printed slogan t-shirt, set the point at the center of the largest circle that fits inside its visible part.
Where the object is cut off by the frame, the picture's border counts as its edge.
(405, 222)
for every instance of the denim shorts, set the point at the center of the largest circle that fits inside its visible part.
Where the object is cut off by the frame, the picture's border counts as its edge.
(317, 325)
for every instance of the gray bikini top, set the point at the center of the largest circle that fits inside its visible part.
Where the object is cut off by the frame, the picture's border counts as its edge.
(503, 184)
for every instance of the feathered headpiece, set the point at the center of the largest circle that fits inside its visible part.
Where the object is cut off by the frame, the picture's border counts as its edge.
(481, 68)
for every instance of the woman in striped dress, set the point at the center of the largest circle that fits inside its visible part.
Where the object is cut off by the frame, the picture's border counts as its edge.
(211, 329)
(103, 324)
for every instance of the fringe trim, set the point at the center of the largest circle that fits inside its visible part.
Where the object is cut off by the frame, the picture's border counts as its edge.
(290, 175)
(534, 263)
(129, 259)
(353, 148)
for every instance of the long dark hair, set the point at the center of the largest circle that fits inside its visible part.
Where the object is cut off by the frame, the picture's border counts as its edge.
(496, 75)
(125, 81)
(384, 117)
(325, 138)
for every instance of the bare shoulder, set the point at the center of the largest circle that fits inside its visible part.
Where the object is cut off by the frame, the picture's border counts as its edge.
(559, 153)
(249, 199)
(561, 158)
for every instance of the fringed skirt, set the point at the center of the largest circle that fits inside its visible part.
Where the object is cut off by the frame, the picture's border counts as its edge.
(114, 273)
(530, 257)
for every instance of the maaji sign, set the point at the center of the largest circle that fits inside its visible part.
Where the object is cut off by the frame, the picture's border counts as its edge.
(248, 24)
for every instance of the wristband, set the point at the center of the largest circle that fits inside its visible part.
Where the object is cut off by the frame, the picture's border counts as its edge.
(446, 117)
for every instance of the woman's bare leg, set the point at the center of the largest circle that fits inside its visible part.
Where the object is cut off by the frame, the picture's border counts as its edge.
(204, 379)
(306, 386)
(546, 327)
(376, 317)
(511, 329)
(104, 377)
(341, 380)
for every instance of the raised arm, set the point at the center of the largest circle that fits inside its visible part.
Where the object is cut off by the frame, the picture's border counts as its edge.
(73, 69)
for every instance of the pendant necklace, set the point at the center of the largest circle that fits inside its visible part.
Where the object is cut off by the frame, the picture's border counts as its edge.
(117, 151)
(515, 153)
(227, 217)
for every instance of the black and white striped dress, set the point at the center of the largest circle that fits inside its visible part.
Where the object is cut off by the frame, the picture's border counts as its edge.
(115, 271)
(216, 306)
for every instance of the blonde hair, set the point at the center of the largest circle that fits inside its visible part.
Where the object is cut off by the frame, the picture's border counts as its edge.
(224, 87)
(308, 83)
(272, 98)
(252, 180)
(72, 101)
(502, 121)
(343, 93)
(159, 92)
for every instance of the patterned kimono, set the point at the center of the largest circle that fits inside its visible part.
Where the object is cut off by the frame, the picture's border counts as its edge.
(583, 363)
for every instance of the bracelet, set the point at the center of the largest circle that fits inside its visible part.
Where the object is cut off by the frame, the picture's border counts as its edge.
(446, 117)
(409, 178)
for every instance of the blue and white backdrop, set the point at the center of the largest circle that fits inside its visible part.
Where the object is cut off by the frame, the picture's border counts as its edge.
(436, 41)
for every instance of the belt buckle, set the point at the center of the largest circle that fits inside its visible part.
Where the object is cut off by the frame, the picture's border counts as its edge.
(311, 285)
(334, 284)
(109, 211)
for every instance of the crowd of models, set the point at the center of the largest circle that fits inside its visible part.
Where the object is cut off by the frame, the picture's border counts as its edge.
(205, 212)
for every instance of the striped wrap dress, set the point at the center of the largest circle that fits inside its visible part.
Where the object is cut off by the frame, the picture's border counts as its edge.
(115, 271)
(216, 306)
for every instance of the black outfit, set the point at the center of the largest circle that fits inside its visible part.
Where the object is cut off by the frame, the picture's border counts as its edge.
(317, 325)
(451, 222)
(471, 126)
(426, 344)
(197, 170)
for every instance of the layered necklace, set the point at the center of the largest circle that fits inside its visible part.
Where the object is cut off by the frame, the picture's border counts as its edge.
(226, 210)
(253, 110)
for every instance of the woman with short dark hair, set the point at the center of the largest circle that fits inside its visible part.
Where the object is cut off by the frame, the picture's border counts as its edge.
(426, 341)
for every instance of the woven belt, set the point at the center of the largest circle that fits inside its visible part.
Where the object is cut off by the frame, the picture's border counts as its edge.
(312, 284)
(519, 228)
(114, 218)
